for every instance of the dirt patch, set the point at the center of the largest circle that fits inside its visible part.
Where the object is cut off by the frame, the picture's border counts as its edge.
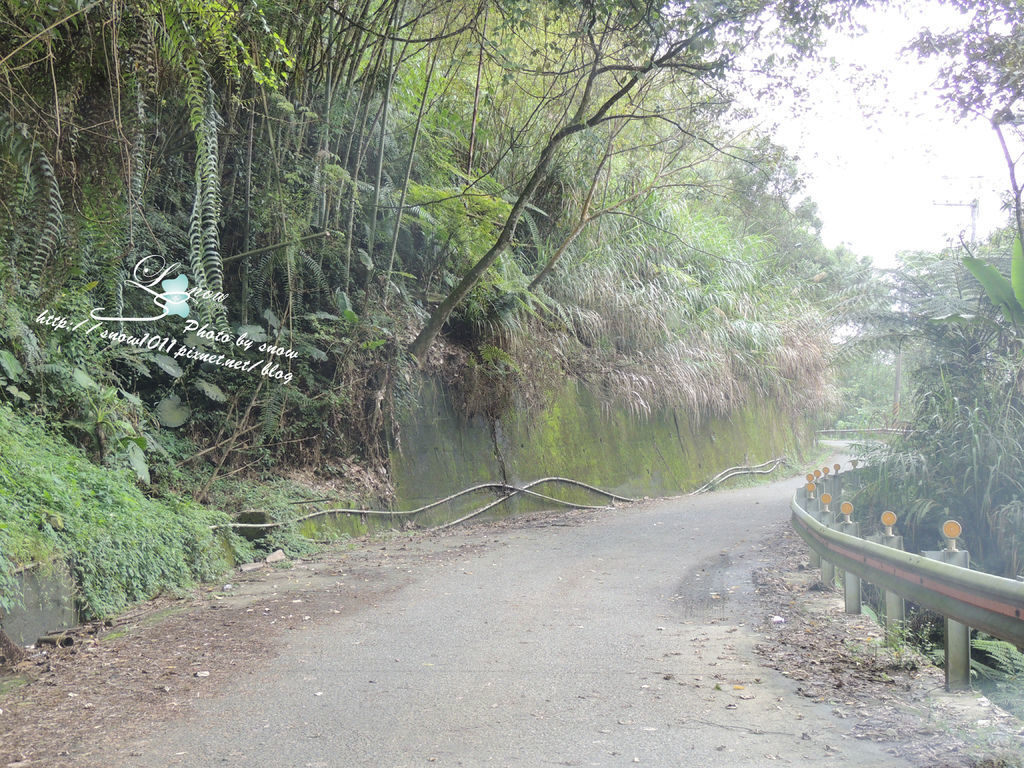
(896, 695)
(121, 679)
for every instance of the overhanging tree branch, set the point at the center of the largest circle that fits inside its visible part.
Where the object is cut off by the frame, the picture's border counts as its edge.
(669, 57)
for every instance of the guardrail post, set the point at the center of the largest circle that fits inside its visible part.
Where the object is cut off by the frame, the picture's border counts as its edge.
(809, 497)
(819, 489)
(895, 609)
(851, 581)
(828, 574)
(828, 569)
(837, 483)
(958, 656)
(958, 636)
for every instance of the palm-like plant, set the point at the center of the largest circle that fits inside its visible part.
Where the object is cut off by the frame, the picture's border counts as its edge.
(964, 456)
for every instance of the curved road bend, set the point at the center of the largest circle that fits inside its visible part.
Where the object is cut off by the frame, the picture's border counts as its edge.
(616, 642)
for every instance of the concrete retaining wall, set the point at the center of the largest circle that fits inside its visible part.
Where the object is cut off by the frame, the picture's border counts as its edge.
(442, 451)
(48, 604)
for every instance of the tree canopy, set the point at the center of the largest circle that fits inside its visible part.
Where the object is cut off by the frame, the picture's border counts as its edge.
(547, 189)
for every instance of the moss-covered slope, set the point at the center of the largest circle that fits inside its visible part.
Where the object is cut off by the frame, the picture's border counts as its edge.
(121, 547)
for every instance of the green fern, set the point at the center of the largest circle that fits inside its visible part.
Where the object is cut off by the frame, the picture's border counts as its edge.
(314, 268)
(180, 45)
(40, 183)
(531, 224)
(1004, 661)
(273, 410)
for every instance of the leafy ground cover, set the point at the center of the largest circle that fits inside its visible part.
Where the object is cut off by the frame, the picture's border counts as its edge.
(121, 546)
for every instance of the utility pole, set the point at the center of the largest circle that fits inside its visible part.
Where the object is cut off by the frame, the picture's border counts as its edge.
(973, 183)
(973, 205)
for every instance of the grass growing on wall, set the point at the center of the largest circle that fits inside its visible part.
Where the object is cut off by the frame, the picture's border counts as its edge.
(578, 435)
(120, 545)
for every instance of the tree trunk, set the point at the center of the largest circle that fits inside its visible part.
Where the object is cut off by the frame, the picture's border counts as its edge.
(556, 257)
(1015, 187)
(405, 182)
(476, 101)
(438, 317)
(371, 244)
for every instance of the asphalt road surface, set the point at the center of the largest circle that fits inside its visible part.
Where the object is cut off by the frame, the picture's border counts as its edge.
(620, 639)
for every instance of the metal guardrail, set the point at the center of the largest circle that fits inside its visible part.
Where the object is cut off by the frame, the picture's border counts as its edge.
(981, 600)
(971, 598)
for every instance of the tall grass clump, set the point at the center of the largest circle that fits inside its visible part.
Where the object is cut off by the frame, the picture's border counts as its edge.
(683, 313)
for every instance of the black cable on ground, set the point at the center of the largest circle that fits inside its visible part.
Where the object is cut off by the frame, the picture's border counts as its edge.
(509, 491)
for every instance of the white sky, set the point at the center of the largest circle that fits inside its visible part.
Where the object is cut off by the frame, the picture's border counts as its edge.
(879, 157)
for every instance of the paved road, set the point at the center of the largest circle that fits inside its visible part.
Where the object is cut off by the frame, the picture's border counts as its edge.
(619, 641)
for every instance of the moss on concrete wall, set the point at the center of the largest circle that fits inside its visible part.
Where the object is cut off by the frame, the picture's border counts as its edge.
(442, 451)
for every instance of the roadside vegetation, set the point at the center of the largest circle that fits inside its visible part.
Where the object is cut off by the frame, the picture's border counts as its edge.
(503, 194)
(960, 456)
(120, 545)
(955, 321)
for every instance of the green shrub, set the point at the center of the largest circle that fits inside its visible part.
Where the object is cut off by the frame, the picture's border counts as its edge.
(120, 545)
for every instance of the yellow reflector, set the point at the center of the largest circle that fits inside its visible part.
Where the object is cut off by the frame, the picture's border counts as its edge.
(846, 508)
(826, 498)
(888, 518)
(951, 529)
